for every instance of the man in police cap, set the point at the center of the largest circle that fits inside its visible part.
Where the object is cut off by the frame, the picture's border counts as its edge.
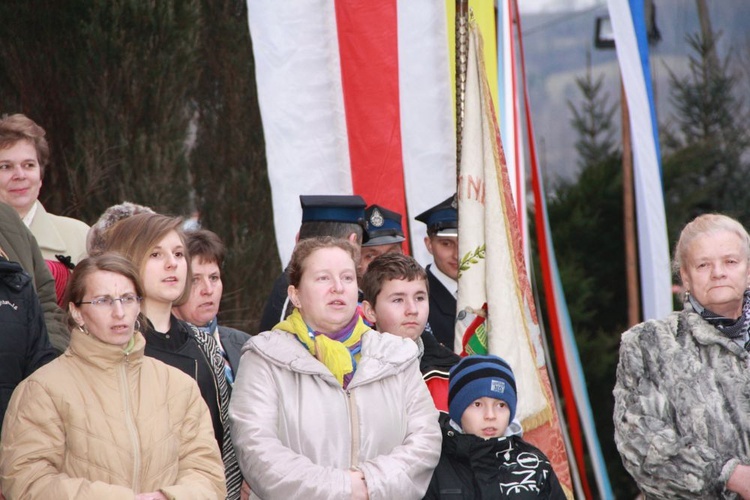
(442, 274)
(340, 216)
(384, 235)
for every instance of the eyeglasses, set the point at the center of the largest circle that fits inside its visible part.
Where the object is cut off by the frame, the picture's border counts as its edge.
(126, 300)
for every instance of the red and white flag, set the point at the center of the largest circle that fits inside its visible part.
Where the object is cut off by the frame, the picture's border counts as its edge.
(355, 97)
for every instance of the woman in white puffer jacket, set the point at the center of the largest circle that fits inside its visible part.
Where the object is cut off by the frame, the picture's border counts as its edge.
(323, 406)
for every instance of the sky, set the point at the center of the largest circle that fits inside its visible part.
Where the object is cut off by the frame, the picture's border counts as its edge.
(549, 6)
(557, 44)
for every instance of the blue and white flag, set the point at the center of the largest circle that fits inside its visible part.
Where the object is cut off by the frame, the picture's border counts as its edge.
(629, 26)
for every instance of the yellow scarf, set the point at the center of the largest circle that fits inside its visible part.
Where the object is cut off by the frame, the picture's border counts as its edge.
(131, 344)
(337, 356)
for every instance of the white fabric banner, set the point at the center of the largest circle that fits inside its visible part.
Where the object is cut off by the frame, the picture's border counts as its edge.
(427, 125)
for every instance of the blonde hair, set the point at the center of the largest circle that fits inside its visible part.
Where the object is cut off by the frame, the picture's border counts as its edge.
(135, 236)
(305, 248)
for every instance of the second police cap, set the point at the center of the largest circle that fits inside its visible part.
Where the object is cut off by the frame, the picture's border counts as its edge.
(383, 226)
(333, 208)
(442, 219)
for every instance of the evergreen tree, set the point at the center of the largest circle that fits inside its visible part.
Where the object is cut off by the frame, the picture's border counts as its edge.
(154, 103)
(705, 169)
(593, 121)
(585, 217)
(113, 83)
(229, 165)
(586, 221)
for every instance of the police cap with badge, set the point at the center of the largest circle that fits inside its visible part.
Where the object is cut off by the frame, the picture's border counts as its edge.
(383, 227)
(442, 219)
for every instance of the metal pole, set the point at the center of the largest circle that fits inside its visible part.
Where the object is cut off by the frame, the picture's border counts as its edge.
(462, 57)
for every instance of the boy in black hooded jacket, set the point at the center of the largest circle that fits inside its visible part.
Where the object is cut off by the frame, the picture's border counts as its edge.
(478, 461)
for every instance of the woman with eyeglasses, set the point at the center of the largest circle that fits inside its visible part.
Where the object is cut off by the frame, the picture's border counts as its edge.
(103, 420)
(155, 245)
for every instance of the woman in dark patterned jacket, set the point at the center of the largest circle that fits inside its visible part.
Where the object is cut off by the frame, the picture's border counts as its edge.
(682, 398)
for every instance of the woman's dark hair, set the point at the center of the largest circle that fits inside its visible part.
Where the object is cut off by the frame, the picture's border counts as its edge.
(206, 246)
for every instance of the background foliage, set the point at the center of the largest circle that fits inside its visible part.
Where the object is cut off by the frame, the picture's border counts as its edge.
(154, 103)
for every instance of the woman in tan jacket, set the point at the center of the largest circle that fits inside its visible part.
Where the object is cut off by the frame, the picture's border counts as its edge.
(323, 407)
(103, 420)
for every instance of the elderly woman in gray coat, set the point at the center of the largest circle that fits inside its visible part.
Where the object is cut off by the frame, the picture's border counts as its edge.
(682, 398)
(325, 408)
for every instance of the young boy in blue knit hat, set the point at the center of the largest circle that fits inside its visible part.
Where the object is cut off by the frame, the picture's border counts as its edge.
(478, 460)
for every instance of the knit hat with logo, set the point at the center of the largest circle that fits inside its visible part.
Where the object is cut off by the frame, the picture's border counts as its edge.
(475, 377)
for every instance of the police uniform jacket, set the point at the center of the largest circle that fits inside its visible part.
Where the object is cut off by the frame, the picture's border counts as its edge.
(435, 365)
(275, 305)
(442, 318)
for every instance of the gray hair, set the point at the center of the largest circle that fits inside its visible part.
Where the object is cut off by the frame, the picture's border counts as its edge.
(703, 225)
(95, 239)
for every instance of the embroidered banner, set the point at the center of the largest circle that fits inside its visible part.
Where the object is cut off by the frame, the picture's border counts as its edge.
(493, 281)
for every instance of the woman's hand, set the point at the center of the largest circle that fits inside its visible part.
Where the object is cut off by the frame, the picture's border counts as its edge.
(359, 486)
(244, 491)
(154, 495)
(739, 481)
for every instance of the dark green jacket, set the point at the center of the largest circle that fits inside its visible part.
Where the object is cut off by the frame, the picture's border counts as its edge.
(20, 246)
